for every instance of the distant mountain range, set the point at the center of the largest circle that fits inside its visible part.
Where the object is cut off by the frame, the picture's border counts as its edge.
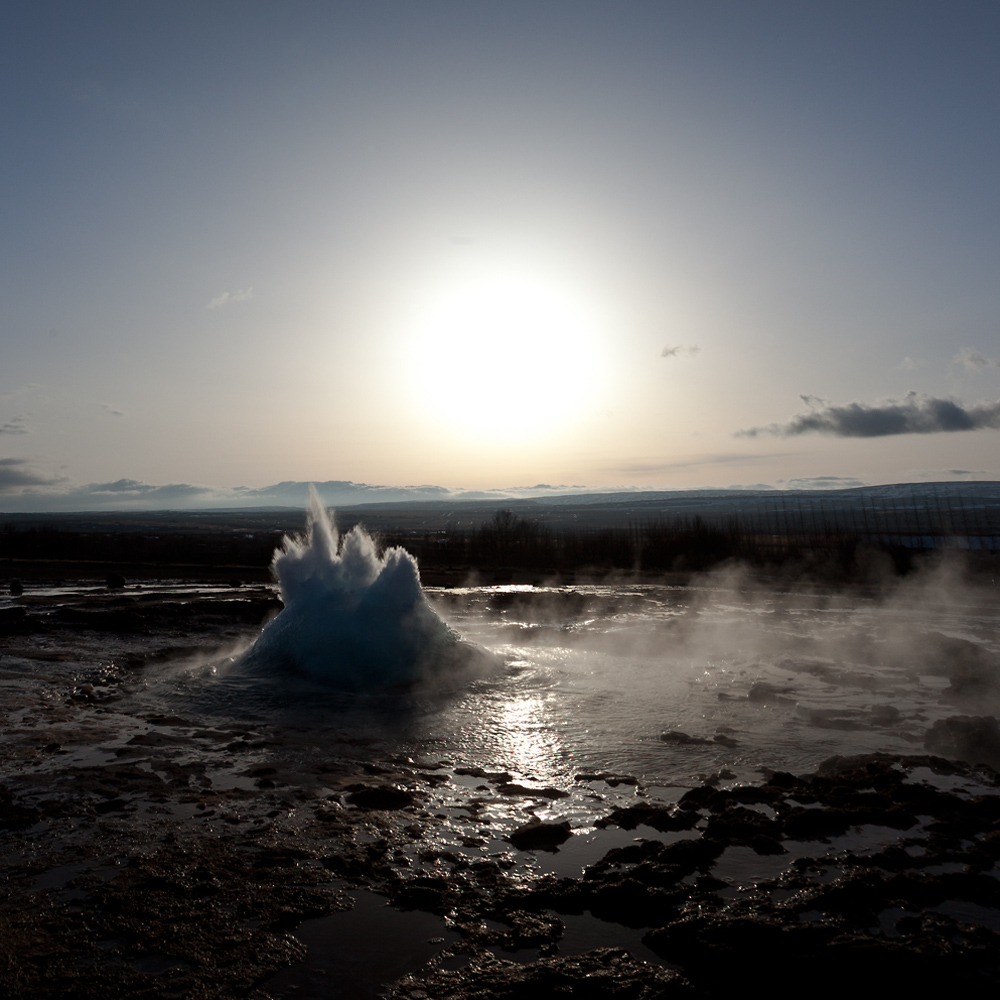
(132, 495)
(968, 507)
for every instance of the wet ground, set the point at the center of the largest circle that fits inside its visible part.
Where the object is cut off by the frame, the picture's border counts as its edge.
(162, 836)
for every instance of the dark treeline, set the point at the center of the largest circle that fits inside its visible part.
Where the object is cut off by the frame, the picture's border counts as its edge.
(508, 540)
(680, 545)
(677, 545)
(205, 548)
(833, 548)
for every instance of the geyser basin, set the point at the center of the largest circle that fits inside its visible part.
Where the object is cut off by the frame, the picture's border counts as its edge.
(352, 618)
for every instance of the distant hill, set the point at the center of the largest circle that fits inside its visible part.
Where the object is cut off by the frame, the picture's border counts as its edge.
(968, 507)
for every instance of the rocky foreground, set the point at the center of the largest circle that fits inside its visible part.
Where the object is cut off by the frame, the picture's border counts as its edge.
(147, 854)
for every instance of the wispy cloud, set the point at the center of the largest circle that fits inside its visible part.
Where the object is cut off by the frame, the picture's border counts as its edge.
(122, 490)
(680, 351)
(972, 360)
(914, 414)
(16, 425)
(228, 298)
(20, 391)
(821, 483)
(653, 466)
(947, 474)
(111, 408)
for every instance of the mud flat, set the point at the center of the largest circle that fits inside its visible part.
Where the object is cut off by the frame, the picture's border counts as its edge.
(161, 845)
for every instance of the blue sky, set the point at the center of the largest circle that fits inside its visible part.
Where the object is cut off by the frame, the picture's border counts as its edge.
(484, 245)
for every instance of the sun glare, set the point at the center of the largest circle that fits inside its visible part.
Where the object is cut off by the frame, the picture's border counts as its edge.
(505, 357)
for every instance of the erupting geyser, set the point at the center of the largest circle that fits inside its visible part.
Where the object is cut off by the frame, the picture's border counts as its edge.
(352, 618)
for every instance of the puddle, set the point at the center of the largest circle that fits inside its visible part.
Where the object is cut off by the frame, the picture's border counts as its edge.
(584, 932)
(581, 851)
(744, 867)
(970, 913)
(353, 954)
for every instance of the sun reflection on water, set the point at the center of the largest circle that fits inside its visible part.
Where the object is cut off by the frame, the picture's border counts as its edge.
(526, 735)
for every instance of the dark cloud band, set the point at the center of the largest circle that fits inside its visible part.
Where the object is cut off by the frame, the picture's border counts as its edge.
(16, 474)
(912, 415)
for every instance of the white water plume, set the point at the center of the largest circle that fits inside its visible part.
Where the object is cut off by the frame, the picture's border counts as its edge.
(352, 618)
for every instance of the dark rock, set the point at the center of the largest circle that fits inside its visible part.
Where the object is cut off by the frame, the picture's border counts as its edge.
(433, 895)
(716, 779)
(750, 795)
(781, 779)
(815, 824)
(702, 797)
(478, 772)
(975, 739)
(682, 739)
(529, 930)
(538, 835)
(346, 865)
(16, 588)
(17, 621)
(972, 670)
(14, 816)
(608, 778)
(884, 715)
(602, 974)
(511, 788)
(633, 903)
(660, 864)
(659, 818)
(748, 827)
(381, 797)
(878, 769)
(115, 581)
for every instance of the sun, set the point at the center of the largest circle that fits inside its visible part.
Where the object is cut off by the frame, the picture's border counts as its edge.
(505, 355)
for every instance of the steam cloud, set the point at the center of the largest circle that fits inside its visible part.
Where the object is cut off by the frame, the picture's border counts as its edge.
(914, 414)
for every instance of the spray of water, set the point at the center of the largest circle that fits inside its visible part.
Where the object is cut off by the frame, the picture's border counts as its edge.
(352, 618)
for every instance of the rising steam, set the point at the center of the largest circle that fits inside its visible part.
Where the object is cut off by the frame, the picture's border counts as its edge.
(352, 618)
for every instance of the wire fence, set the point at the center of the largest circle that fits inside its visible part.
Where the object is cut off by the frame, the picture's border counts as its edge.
(927, 519)
(813, 528)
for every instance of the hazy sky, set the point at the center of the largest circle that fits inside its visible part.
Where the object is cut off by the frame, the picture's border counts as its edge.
(486, 244)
